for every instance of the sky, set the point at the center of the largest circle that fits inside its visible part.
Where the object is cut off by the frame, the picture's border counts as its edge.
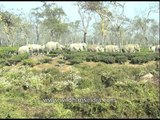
(131, 8)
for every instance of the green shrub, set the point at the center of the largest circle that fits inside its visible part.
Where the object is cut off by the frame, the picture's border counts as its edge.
(13, 60)
(139, 60)
(2, 61)
(52, 55)
(89, 58)
(16, 58)
(45, 60)
(108, 59)
(115, 54)
(129, 55)
(157, 56)
(75, 61)
(121, 59)
(9, 50)
(23, 56)
(108, 80)
(96, 58)
(61, 62)
(68, 56)
(84, 83)
(56, 52)
(30, 62)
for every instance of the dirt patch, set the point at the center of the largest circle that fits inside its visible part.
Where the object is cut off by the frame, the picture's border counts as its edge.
(54, 64)
(65, 68)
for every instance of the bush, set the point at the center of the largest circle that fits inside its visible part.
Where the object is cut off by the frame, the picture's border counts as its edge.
(97, 58)
(108, 59)
(157, 56)
(13, 60)
(129, 55)
(45, 60)
(4, 55)
(121, 59)
(9, 50)
(2, 61)
(84, 84)
(68, 56)
(30, 62)
(89, 58)
(52, 55)
(23, 56)
(56, 52)
(75, 61)
(139, 60)
(114, 54)
(16, 58)
(108, 80)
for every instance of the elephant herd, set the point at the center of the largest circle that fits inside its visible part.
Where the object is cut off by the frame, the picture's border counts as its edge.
(48, 47)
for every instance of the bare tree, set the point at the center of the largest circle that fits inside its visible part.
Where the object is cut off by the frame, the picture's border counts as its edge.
(85, 19)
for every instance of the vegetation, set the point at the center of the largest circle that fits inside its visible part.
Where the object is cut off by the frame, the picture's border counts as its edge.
(70, 84)
(114, 92)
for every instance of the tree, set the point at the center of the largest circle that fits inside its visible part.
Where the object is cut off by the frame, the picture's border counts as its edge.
(36, 21)
(74, 29)
(85, 19)
(52, 17)
(10, 24)
(102, 9)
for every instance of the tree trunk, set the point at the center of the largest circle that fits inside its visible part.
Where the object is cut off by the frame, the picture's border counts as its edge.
(37, 35)
(0, 42)
(51, 35)
(84, 37)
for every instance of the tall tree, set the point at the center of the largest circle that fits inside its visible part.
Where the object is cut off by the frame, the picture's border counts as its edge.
(85, 19)
(52, 17)
(102, 9)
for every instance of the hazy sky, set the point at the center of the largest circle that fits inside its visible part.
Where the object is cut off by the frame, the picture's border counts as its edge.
(131, 8)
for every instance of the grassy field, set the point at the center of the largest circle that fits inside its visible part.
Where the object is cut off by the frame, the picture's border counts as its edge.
(67, 84)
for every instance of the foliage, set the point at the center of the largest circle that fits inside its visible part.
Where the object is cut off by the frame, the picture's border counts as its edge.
(121, 59)
(16, 58)
(30, 62)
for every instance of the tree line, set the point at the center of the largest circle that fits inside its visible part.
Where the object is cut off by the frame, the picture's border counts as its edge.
(48, 23)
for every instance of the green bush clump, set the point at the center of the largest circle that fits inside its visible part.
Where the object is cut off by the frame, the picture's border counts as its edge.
(16, 58)
(75, 60)
(89, 58)
(30, 62)
(96, 58)
(45, 60)
(115, 54)
(130, 55)
(56, 52)
(157, 56)
(52, 55)
(4, 55)
(108, 80)
(121, 59)
(23, 56)
(12, 61)
(108, 59)
(84, 83)
(68, 56)
(9, 49)
(2, 61)
(139, 60)
(150, 108)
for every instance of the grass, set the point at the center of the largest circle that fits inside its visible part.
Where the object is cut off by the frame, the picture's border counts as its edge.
(118, 87)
